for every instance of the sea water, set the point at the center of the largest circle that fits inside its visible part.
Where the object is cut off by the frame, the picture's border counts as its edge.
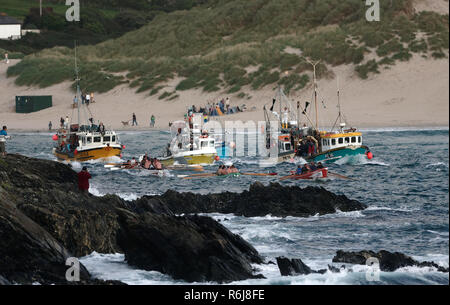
(406, 188)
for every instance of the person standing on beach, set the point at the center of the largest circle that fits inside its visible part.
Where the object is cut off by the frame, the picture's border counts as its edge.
(134, 120)
(152, 121)
(3, 137)
(88, 99)
(83, 180)
(50, 125)
(6, 58)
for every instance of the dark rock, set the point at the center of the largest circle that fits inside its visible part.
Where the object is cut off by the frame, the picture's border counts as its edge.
(28, 253)
(261, 200)
(192, 248)
(389, 261)
(292, 266)
(44, 220)
(333, 269)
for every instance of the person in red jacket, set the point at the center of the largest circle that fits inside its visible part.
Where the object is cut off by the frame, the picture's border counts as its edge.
(83, 180)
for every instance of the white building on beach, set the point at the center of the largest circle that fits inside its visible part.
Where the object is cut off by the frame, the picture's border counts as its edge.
(10, 28)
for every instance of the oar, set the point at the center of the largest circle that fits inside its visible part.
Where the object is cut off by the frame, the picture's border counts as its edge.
(110, 165)
(196, 168)
(259, 174)
(341, 176)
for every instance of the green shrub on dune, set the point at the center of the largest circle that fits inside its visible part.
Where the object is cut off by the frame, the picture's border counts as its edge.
(231, 45)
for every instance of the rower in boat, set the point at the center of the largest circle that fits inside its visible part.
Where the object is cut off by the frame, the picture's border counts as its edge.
(234, 170)
(157, 164)
(220, 170)
(126, 165)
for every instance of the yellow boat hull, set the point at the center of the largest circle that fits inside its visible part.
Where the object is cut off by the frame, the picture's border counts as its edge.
(92, 154)
(190, 160)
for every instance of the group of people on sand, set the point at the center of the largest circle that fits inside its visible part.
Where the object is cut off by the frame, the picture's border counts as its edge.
(146, 162)
(306, 168)
(226, 170)
(212, 108)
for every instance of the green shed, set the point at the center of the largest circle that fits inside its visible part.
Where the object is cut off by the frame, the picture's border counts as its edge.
(27, 104)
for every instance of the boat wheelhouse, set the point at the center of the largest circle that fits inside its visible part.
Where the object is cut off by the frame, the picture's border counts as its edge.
(189, 146)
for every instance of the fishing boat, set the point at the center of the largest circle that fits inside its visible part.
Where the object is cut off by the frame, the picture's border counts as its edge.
(330, 146)
(189, 146)
(84, 140)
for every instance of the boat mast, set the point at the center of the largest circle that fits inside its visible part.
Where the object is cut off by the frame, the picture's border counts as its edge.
(78, 85)
(339, 103)
(314, 64)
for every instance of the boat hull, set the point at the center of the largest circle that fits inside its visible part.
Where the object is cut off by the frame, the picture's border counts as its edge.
(337, 154)
(189, 160)
(91, 154)
(320, 173)
(286, 156)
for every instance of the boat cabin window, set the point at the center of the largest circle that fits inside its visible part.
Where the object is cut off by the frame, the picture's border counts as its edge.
(359, 139)
(89, 140)
(83, 140)
(333, 141)
(287, 146)
(203, 144)
(353, 139)
(113, 139)
(211, 143)
(106, 139)
(97, 139)
(341, 140)
(347, 140)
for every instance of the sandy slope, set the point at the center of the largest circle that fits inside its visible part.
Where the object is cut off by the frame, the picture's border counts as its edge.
(414, 93)
(438, 6)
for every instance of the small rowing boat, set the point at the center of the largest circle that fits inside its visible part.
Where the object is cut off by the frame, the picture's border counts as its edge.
(317, 174)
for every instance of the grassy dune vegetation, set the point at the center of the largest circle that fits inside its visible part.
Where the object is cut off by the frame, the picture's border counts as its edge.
(232, 45)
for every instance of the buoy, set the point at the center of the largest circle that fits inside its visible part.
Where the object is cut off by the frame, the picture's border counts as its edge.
(123, 146)
(55, 137)
(121, 156)
(369, 155)
(75, 152)
(217, 158)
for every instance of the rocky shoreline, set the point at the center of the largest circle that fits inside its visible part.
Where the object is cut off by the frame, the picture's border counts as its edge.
(44, 220)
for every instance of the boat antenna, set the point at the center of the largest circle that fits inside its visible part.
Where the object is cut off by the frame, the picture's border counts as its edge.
(339, 108)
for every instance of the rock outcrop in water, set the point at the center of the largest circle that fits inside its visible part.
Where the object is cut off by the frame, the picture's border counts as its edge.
(293, 266)
(259, 200)
(44, 220)
(389, 261)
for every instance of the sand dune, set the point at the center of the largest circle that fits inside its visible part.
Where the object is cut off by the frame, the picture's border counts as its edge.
(413, 93)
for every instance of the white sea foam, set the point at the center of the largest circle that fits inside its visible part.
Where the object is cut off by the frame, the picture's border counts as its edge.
(114, 267)
(377, 208)
(360, 160)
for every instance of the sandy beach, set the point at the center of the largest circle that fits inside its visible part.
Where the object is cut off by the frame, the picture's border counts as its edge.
(409, 94)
